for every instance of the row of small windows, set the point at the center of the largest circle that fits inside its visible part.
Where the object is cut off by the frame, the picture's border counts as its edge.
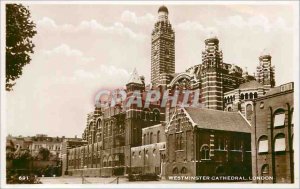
(148, 139)
(229, 99)
(248, 96)
(146, 114)
(279, 143)
(106, 162)
(243, 96)
(182, 171)
(146, 153)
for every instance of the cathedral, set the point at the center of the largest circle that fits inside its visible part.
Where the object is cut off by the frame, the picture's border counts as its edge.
(169, 141)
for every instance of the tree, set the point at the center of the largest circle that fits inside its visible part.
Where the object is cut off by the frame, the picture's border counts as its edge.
(19, 32)
(44, 153)
(22, 155)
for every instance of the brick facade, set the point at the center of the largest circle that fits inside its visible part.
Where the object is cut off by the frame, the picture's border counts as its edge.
(272, 162)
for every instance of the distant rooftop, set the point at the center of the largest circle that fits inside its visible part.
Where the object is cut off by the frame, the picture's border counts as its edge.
(250, 84)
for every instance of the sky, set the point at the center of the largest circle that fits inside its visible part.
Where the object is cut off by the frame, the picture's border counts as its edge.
(81, 49)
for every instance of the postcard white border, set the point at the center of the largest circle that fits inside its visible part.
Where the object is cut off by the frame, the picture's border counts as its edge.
(188, 184)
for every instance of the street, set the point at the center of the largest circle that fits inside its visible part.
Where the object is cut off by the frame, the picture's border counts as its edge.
(111, 180)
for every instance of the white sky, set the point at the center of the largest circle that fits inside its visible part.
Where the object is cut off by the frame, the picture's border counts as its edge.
(83, 48)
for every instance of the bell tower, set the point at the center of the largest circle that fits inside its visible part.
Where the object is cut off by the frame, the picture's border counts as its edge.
(265, 72)
(212, 78)
(162, 50)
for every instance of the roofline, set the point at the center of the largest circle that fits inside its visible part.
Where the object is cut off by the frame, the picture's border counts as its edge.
(245, 119)
(274, 95)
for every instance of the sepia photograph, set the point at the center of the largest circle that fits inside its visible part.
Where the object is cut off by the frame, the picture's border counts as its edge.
(155, 94)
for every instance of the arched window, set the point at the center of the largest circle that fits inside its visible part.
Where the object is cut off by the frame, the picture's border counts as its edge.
(106, 129)
(249, 112)
(251, 96)
(205, 152)
(255, 95)
(229, 109)
(175, 170)
(99, 124)
(158, 137)
(104, 161)
(156, 115)
(279, 118)
(116, 159)
(177, 142)
(109, 161)
(111, 128)
(279, 145)
(146, 114)
(220, 143)
(154, 152)
(145, 139)
(151, 138)
(183, 170)
(246, 96)
(265, 170)
(231, 99)
(242, 96)
(178, 125)
(263, 144)
(143, 115)
(100, 137)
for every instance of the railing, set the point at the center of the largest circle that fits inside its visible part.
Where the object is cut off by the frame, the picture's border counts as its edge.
(114, 181)
(84, 181)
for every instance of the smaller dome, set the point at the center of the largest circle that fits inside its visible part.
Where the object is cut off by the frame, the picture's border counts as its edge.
(163, 9)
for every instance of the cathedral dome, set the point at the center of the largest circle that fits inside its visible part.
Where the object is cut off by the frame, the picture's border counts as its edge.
(213, 39)
(163, 9)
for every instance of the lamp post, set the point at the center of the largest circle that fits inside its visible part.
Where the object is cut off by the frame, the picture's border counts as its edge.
(82, 176)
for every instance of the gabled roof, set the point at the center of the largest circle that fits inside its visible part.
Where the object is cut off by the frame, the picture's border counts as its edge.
(135, 78)
(218, 120)
(250, 84)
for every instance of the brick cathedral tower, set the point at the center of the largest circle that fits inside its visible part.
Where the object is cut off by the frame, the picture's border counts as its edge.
(211, 76)
(162, 50)
(133, 123)
(265, 72)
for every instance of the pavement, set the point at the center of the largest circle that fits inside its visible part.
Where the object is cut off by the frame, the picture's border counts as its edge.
(110, 180)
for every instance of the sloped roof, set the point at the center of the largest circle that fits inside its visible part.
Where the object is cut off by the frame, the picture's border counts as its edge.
(250, 84)
(218, 120)
(135, 78)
